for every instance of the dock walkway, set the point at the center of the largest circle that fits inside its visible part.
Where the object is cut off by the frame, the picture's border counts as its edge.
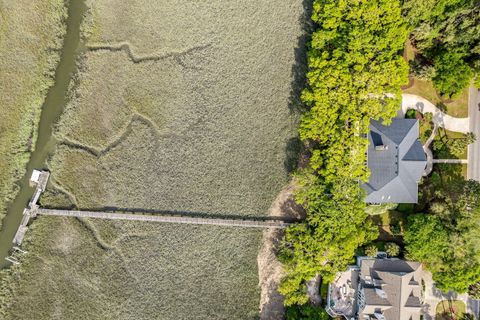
(245, 223)
(39, 179)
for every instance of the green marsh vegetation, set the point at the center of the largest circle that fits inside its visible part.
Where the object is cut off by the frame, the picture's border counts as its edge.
(200, 125)
(130, 270)
(30, 39)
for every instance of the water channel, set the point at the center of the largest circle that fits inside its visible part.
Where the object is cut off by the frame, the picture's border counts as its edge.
(51, 110)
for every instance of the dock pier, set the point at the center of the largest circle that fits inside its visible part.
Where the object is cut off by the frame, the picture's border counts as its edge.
(166, 218)
(39, 180)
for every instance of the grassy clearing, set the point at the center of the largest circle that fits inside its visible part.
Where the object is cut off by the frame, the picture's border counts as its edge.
(30, 37)
(204, 126)
(130, 270)
(409, 51)
(391, 223)
(446, 137)
(450, 309)
(446, 144)
(457, 107)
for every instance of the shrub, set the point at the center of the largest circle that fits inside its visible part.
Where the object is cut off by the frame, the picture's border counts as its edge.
(392, 249)
(306, 312)
(371, 251)
(396, 229)
(411, 114)
(422, 71)
(474, 290)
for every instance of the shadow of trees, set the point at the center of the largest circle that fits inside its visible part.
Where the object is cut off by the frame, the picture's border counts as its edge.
(294, 146)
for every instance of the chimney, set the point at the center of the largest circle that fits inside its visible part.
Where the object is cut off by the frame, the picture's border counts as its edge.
(381, 147)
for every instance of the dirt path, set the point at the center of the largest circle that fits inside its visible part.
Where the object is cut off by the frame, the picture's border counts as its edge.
(269, 268)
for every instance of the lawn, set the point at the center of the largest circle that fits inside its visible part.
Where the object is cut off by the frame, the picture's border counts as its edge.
(409, 51)
(391, 223)
(30, 34)
(182, 106)
(457, 107)
(391, 219)
(446, 144)
(444, 136)
(449, 309)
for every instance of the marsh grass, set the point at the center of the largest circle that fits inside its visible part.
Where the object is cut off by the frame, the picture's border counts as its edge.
(30, 39)
(205, 128)
(109, 270)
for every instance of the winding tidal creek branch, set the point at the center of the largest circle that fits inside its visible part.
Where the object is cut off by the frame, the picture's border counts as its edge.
(136, 58)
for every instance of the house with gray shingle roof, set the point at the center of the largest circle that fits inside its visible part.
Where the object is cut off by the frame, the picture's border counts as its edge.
(377, 289)
(396, 161)
(389, 289)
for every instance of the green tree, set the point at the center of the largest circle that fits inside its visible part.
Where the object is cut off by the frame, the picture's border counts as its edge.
(467, 316)
(474, 290)
(446, 240)
(446, 34)
(452, 75)
(427, 240)
(306, 312)
(392, 249)
(324, 244)
(458, 146)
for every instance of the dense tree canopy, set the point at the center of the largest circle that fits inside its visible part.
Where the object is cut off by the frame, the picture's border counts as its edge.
(447, 35)
(452, 73)
(306, 312)
(355, 74)
(447, 241)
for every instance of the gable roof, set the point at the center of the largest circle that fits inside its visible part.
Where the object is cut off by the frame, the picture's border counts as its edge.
(396, 161)
(391, 287)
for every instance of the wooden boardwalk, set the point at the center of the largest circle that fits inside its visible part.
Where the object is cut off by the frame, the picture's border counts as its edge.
(245, 223)
(453, 161)
(38, 180)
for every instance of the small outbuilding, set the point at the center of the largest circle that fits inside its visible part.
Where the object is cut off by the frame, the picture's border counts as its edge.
(35, 178)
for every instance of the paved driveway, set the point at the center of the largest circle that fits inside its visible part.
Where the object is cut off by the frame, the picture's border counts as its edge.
(411, 101)
(433, 296)
(473, 171)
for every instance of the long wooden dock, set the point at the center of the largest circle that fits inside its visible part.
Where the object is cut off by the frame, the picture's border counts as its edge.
(246, 223)
(39, 180)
